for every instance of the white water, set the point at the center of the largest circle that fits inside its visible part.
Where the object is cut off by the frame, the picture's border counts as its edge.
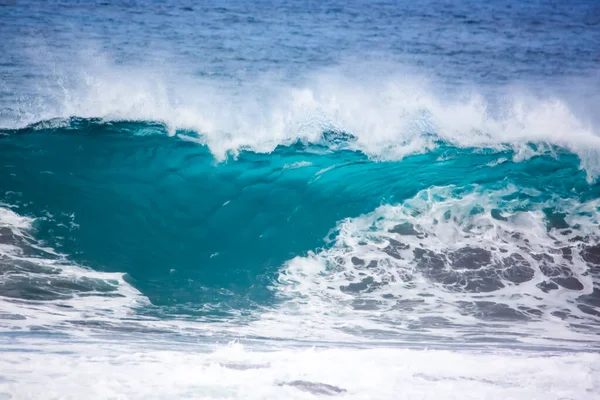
(141, 371)
(26, 264)
(373, 281)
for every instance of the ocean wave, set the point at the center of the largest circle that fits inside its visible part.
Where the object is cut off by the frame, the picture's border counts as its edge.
(450, 244)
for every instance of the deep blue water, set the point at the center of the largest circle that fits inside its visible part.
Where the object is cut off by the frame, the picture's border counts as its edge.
(198, 148)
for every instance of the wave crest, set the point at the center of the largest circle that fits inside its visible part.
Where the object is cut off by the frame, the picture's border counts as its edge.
(389, 117)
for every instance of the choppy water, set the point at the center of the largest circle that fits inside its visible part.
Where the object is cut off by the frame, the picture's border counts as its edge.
(265, 200)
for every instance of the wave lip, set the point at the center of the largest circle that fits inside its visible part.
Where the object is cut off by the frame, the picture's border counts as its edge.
(388, 117)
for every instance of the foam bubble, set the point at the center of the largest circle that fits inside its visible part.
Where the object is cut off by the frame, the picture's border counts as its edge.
(133, 370)
(462, 264)
(10, 219)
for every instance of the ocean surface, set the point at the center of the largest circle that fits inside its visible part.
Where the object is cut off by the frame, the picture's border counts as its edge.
(299, 200)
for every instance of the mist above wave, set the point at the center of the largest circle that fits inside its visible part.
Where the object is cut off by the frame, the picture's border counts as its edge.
(390, 110)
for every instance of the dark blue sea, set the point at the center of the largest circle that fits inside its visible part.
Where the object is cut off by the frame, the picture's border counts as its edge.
(299, 200)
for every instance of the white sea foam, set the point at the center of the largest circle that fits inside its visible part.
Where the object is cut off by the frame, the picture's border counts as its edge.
(73, 294)
(10, 219)
(56, 369)
(458, 264)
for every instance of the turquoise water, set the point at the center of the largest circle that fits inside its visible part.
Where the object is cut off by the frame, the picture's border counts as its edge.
(298, 200)
(205, 237)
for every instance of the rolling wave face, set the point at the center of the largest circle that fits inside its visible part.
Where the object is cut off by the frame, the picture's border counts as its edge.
(463, 244)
